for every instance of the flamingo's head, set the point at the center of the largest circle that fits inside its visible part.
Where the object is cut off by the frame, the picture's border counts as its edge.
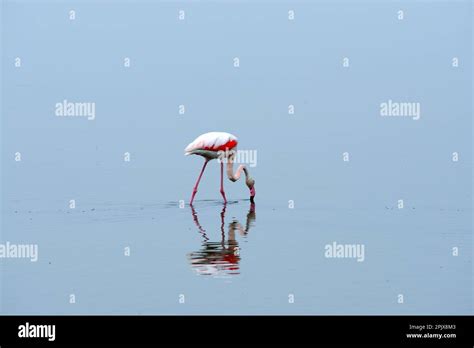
(251, 185)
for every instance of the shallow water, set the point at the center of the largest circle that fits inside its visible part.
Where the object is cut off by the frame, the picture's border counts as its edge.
(235, 258)
(130, 246)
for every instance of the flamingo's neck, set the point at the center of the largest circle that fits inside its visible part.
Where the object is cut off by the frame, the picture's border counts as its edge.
(236, 176)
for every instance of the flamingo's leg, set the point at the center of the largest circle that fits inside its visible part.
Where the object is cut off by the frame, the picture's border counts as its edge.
(197, 182)
(222, 182)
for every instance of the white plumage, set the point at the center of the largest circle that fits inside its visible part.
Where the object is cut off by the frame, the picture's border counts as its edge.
(212, 141)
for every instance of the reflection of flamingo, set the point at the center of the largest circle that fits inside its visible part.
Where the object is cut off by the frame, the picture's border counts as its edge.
(217, 258)
(219, 145)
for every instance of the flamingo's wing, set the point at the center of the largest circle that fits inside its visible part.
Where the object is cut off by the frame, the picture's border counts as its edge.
(212, 141)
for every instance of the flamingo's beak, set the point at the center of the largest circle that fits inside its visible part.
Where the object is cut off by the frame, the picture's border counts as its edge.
(251, 185)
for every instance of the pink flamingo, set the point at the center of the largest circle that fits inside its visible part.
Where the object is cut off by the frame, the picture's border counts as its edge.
(219, 145)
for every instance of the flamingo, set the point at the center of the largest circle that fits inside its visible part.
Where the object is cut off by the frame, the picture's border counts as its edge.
(220, 145)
